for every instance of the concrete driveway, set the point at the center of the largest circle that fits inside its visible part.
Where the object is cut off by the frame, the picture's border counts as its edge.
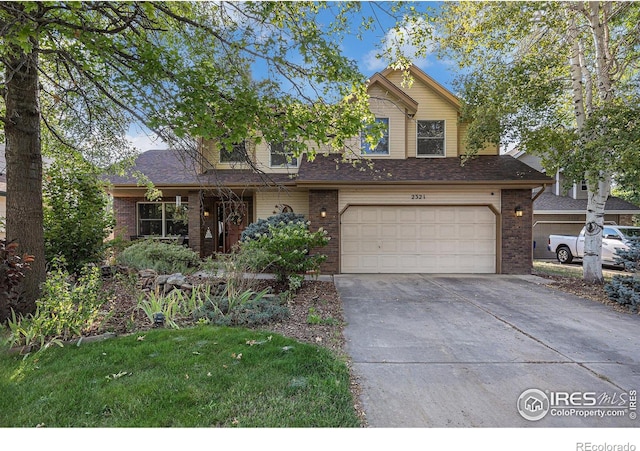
(488, 351)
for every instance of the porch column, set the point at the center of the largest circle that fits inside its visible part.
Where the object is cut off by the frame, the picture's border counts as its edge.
(196, 234)
(327, 199)
(517, 235)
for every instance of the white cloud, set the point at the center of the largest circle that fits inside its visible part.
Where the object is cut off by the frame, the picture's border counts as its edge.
(143, 142)
(401, 41)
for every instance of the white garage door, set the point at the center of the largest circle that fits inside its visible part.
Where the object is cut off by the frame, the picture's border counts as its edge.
(418, 239)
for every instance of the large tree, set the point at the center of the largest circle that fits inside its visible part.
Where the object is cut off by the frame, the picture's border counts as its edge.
(82, 71)
(557, 79)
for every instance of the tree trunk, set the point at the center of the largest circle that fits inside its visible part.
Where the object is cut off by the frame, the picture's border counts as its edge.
(592, 261)
(24, 169)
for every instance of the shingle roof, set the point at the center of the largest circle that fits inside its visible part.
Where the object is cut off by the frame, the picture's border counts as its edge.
(549, 202)
(482, 169)
(169, 167)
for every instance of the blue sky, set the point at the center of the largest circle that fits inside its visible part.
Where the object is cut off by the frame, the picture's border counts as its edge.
(363, 52)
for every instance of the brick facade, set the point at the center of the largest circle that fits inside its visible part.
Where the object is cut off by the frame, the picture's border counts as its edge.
(196, 231)
(328, 199)
(124, 209)
(516, 239)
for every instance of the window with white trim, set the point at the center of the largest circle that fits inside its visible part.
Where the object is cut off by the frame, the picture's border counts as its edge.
(430, 139)
(163, 219)
(382, 146)
(281, 156)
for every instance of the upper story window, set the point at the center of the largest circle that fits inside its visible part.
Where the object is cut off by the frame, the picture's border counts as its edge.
(382, 147)
(236, 154)
(431, 139)
(281, 156)
(163, 219)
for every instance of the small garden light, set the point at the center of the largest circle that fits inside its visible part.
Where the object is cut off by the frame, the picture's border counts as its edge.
(158, 319)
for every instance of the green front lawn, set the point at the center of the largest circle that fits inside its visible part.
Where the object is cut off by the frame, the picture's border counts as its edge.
(200, 377)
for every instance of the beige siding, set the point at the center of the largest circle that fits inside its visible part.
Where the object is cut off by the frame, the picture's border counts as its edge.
(418, 196)
(431, 106)
(488, 149)
(384, 105)
(267, 202)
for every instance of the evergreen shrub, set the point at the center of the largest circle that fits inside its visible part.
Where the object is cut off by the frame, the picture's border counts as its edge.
(626, 289)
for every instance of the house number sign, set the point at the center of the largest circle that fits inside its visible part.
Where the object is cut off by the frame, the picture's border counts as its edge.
(418, 196)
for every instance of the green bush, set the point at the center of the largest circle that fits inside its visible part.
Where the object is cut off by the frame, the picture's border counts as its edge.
(65, 311)
(163, 257)
(625, 290)
(284, 251)
(76, 218)
(261, 226)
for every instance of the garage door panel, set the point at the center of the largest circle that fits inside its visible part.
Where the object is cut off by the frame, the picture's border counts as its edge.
(415, 239)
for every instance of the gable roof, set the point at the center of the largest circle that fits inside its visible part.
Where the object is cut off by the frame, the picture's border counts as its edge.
(483, 169)
(430, 82)
(387, 85)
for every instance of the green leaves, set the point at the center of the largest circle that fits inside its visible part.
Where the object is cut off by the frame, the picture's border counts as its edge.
(285, 250)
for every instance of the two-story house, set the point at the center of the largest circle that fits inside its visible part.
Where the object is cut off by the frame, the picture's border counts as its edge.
(415, 209)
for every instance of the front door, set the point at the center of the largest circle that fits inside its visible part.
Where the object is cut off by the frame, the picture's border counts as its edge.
(232, 220)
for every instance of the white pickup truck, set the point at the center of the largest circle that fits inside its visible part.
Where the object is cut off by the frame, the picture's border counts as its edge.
(568, 247)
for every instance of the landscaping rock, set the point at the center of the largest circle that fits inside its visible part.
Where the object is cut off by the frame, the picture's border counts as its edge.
(176, 279)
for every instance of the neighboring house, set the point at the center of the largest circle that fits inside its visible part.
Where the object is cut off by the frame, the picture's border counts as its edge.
(558, 211)
(416, 210)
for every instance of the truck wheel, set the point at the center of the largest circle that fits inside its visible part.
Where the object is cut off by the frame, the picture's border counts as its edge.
(563, 253)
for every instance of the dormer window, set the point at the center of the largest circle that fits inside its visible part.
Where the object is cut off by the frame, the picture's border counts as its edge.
(236, 154)
(382, 147)
(282, 156)
(430, 139)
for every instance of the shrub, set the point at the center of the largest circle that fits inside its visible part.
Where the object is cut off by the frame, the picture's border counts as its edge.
(284, 251)
(246, 308)
(261, 226)
(76, 218)
(161, 256)
(626, 289)
(12, 269)
(65, 310)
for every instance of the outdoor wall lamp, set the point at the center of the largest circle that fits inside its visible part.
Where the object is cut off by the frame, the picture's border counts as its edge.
(206, 212)
(518, 211)
(323, 212)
